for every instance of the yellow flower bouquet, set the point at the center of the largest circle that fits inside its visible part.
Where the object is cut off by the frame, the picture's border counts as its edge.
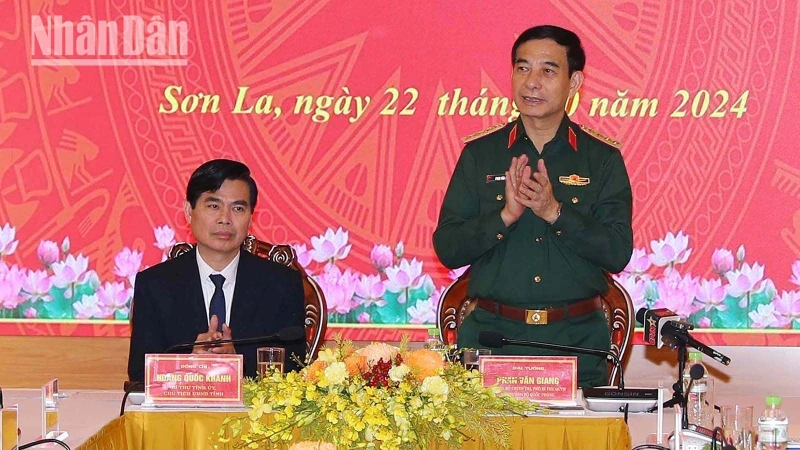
(379, 396)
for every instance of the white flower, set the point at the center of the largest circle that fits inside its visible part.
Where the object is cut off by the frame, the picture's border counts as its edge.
(435, 385)
(336, 373)
(165, 237)
(423, 312)
(327, 355)
(330, 246)
(673, 249)
(7, 242)
(377, 351)
(398, 373)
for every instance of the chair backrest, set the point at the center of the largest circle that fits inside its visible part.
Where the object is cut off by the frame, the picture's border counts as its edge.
(455, 305)
(316, 321)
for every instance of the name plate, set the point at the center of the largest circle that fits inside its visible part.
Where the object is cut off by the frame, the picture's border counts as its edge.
(535, 378)
(193, 380)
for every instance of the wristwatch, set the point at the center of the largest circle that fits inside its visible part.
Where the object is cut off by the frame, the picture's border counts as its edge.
(558, 214)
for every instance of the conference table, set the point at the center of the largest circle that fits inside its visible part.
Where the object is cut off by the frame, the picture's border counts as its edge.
(92, 420)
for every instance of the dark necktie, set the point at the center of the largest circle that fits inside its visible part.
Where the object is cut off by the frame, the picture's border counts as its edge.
(217, 307)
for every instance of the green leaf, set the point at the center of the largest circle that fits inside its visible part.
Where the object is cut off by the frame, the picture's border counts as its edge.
(733, 317)
(761, 298)
(392, 312)
(58, 308)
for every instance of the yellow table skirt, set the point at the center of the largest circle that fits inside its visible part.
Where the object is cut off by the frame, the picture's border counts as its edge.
(155, 430)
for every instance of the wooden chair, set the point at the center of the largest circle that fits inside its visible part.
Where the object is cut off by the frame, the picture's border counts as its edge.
(316, 322)
(455, 306)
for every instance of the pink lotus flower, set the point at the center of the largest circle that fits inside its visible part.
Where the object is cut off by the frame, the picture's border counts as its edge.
(704, 322)
(423, 312)
(671, 250)
(764, 316)
(88, 307)
(364, 318)
(331, 246)
(303, 255)
(31, 313)
(127, 263)
(381, 256)
(711, 294)
(787, 305)
(456, 273)
(115, 296)
(677, 293)
(7, 242)
(11, 280)
(47, 252)
(795, 273)
(371, 289)
(744, 280)
(69, 272)
(165, 237)
(339, 289)
(37, 286)
(636, 287)
(722, 261)
(639, 263)
(403, 275)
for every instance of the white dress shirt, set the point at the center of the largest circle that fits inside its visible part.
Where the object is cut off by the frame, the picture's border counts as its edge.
(228, 286)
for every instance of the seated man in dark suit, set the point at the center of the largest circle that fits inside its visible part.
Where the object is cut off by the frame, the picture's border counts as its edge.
(218, 290)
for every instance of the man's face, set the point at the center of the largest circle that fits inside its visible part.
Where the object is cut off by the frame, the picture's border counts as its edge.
(220, 219)
(541, 79)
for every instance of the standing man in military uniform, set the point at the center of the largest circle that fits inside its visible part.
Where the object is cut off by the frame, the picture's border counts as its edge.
(540, 208)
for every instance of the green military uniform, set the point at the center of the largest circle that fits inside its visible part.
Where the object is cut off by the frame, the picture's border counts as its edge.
(532, 264)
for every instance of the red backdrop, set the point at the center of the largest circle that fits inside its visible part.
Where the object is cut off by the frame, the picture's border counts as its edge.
(86, 155)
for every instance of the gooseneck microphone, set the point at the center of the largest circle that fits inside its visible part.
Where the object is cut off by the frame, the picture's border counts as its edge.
(496, 340)
(288, 334)
(661, 326)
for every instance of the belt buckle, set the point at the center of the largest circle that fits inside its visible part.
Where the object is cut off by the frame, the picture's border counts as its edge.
(536, 316)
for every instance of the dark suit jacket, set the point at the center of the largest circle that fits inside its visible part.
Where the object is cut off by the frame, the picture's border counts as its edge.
(168, 308)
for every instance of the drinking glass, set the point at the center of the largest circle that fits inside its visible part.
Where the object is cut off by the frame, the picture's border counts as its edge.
(471, 357)
(269, 359)
(737, 426)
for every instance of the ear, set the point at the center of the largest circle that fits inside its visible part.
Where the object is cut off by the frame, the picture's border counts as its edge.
(187, 211)
(575, 82)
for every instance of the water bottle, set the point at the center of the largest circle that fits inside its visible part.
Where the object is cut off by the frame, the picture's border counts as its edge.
(699, 404)
(434, 342)
(773, 426)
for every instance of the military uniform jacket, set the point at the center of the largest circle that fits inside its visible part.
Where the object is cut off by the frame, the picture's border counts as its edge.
(532, 263)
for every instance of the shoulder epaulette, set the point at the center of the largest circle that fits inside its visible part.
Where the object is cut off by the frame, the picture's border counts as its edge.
(483, 133)
(601, 137)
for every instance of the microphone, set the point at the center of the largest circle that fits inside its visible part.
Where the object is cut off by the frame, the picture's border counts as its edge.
(662, 326)
(288, 334)
(496, 340)
(696, 372)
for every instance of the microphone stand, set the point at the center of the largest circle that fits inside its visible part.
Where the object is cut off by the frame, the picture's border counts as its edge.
(679, 397)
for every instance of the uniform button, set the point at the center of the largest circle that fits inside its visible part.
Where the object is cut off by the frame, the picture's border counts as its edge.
(499, 236)
(558, 233)
(499, 197)
(537, 279)
(539, 239)
(575, 200)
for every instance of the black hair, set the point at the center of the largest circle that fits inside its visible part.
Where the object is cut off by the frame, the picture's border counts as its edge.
(576, 58)
(210, 176)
